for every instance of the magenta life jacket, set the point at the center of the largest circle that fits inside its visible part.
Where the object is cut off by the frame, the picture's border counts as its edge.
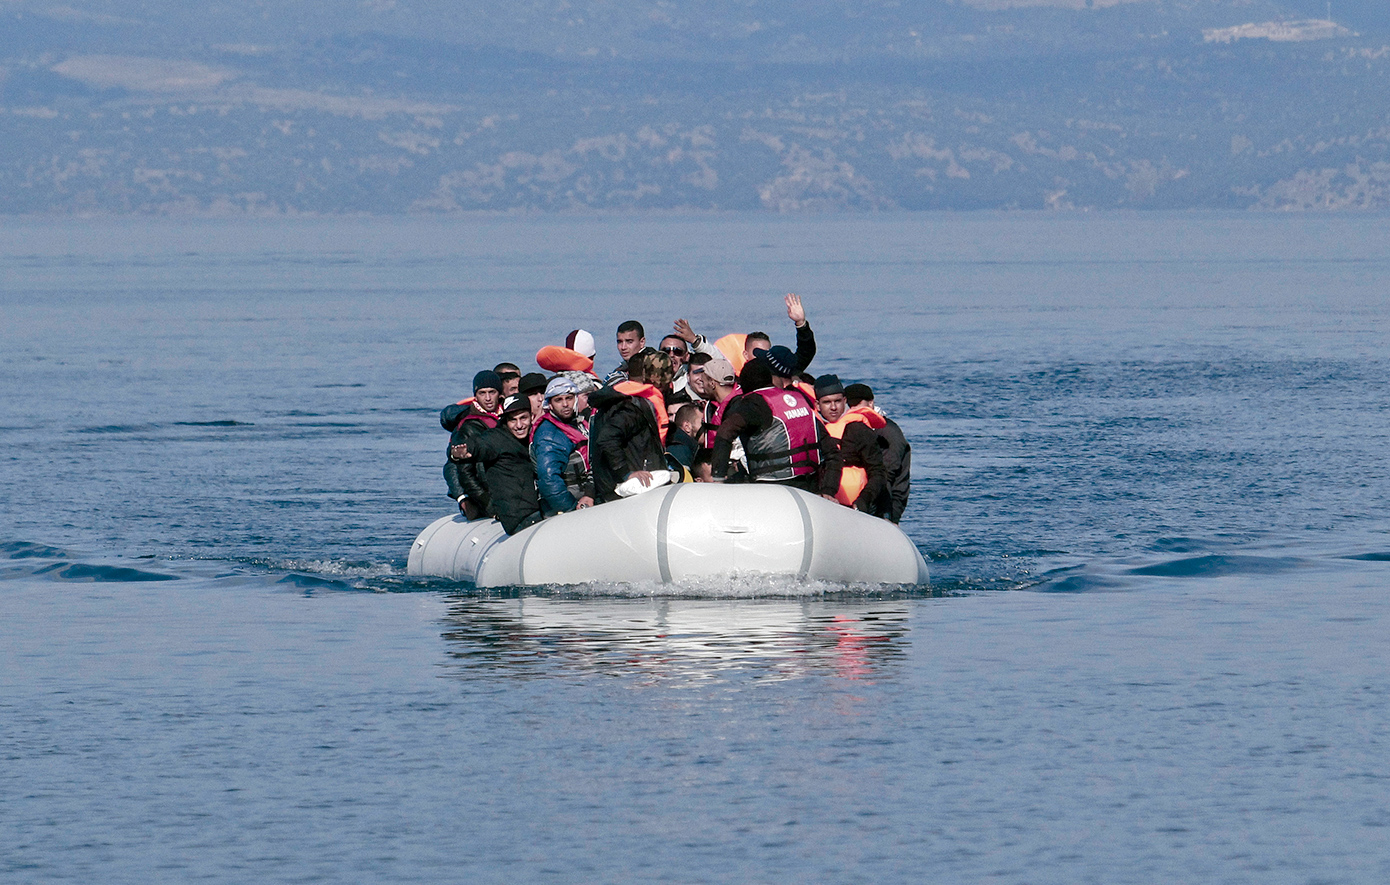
(474, 413)
(790, 446)
(712, 423)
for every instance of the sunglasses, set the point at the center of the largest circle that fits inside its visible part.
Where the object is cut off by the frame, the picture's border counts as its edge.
(674, 351)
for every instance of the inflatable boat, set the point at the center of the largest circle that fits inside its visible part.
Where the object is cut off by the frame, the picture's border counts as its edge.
(685, 532)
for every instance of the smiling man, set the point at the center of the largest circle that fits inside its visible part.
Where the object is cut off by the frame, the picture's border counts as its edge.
(504, 453)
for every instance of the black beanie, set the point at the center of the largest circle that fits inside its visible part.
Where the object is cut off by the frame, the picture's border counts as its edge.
(487, 379)
(828, 385)
(858, 393)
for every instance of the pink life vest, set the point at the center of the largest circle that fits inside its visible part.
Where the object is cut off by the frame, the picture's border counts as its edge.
(790, 446)
(713, 423)
(475, 413)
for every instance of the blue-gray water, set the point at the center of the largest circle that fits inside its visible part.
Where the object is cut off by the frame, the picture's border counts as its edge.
(1150, 474)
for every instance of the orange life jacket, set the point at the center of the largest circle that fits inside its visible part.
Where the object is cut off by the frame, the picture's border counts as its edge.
(651, 395)
(853, 480)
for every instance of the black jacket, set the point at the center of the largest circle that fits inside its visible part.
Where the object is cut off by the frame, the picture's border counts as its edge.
(509, 474)
(623, 437)
(805, 347)
(897, 463)
(466, 477)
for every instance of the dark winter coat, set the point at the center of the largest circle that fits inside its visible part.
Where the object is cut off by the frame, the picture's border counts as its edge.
(510, 477)
(466, 477)
(897, 463)
(623, 438)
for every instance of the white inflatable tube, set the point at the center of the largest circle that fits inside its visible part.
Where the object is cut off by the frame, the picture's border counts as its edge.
(688, 531)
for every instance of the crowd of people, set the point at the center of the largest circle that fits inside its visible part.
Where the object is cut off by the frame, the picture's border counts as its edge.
(528, 446)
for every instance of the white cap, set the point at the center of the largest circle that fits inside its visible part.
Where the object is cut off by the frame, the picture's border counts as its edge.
(581, 342)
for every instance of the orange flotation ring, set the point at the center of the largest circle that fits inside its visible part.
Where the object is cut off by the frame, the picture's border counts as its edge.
(562, 359)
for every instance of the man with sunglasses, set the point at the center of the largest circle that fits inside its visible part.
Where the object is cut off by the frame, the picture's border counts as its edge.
(675, 347)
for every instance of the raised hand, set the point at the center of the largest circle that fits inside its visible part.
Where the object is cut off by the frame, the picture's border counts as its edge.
(795, 312)
(683, 330)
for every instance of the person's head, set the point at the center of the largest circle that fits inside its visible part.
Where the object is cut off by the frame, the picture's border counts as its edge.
(560, 397)
(659, 371)
(699, 381)
(859, 395)
(755, 376)
(532, 386)
(511, 378)
(516, 416)
(702, 467)
(631, 339)
(637, 365)
(487, 390)
(675, 347)
(689, 417)
(719, 378)
(754, 342)
(562, 406)
(830, 398)
(781, 362)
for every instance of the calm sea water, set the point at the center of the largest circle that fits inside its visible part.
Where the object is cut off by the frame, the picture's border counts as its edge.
(1150, 475)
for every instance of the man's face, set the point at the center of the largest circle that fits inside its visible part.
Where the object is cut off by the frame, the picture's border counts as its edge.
(700, 383)
(537, 401)
(675, 348)
(581, 403)
(832, 407)
(510, 385)
(562, 405)
(519, 424)
(487, 398)
(629, 343)
(752, 346)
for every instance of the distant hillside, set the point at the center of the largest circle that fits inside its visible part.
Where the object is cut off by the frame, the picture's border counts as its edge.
(394, 107)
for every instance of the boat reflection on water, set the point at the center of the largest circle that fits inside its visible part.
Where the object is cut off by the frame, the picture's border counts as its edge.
(681, 639)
